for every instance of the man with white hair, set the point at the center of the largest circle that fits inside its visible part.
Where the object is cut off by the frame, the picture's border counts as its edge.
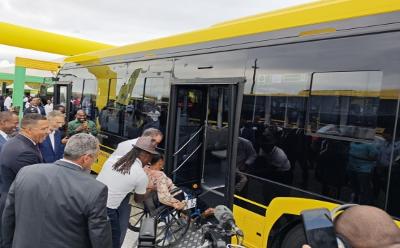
(52, 148)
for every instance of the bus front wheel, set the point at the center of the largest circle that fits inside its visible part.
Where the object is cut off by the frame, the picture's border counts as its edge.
(294, 238)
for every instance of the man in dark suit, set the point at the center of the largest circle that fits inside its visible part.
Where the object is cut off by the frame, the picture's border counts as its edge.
(21, 151)
(60, 204)
(35, 104)
(8, 125)
(63, 129)
(52, 148)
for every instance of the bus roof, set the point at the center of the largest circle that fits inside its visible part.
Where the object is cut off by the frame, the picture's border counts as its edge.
(306, 14)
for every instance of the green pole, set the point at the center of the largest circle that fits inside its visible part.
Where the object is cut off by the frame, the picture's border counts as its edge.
(18, 90)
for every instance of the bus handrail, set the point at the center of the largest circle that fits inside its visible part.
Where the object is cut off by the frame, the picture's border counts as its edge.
(187, 142)
(184, 162)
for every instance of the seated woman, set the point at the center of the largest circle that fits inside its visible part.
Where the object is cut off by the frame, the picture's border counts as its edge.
(168, 194)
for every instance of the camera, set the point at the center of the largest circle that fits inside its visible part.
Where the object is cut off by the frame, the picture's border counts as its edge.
(319, 227)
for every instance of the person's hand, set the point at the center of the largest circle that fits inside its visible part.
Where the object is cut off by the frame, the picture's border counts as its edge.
(306, 246)
(208, 212)
(64, 141)
(83, 127)
(179, 205)
(80, 128)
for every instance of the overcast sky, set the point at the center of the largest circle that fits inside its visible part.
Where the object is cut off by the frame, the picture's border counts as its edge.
(120, 22)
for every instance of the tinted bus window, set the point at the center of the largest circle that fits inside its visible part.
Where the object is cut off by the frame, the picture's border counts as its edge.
(110, 116)
(149, 107)
(295, 93)
(389, 162)
(345, 104)
(84, 92)
(138, 98)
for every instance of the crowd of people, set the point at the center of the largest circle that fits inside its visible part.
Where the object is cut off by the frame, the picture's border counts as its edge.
(48, 197)
(346, 169)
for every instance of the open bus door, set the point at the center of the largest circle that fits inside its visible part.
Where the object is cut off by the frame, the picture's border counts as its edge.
(203, 126)
(62, 95)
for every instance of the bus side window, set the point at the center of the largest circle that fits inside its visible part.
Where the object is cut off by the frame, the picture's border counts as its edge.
(345, 104)
(147, 102)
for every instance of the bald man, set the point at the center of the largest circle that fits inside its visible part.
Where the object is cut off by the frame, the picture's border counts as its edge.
(367, 227)
(81, 124)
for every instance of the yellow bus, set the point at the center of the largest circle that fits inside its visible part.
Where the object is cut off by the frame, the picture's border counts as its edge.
(270, 115)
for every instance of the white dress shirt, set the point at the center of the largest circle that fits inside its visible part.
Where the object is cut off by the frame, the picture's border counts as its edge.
(8, 102)
(48, 108)
(51, 136)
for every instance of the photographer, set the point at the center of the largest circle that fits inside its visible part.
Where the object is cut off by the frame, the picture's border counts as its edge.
(81, 124)
(366, 227)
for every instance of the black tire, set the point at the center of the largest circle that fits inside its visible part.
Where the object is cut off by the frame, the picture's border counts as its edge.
(294, 238)
(172, 226)
(136, 217)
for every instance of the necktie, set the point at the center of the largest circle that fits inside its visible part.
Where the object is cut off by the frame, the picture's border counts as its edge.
(39, 154)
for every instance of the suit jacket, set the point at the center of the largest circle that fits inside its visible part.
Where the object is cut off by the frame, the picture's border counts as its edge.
(49, 154)
(56, 205)
(18, 152)
(41, 110)
(2, 142)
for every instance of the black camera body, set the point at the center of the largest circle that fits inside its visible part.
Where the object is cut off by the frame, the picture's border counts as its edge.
(319, 227)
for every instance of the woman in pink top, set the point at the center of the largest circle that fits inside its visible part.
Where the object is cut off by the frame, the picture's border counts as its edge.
(158, 181)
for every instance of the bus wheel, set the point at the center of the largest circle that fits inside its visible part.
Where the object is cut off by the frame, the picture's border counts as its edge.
(294, 238)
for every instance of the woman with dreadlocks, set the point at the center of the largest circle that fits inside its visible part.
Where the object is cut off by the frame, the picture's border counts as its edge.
(125, 175)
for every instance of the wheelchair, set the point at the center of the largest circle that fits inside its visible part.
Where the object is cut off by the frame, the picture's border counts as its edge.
(172, 224)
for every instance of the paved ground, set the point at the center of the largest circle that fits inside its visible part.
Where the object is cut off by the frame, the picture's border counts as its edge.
(192, 239)
(130, 239)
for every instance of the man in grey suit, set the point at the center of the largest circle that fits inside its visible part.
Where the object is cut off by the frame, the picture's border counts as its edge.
(60, 204)
(8, 125)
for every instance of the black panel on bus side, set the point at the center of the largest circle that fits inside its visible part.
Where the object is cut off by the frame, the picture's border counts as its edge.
(320, 116)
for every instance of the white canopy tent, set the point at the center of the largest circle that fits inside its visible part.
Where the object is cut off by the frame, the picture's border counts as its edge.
(26, 87)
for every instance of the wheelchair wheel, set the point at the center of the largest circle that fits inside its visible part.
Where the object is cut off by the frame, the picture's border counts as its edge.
(136, 216)
(172, 226)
